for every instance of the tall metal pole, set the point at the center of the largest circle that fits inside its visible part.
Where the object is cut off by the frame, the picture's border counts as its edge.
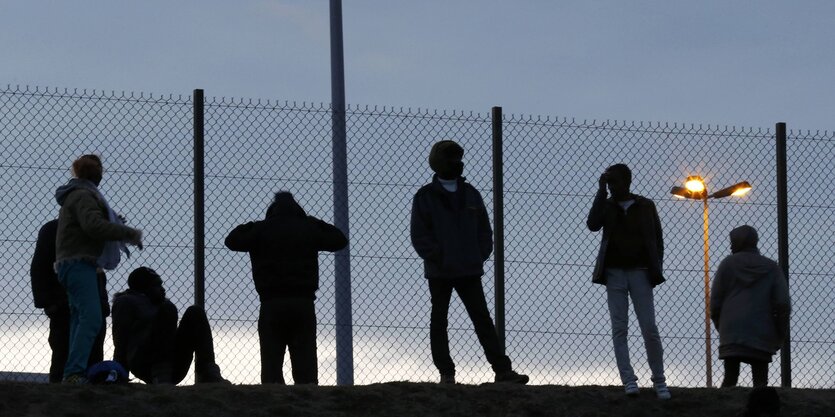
(342, 260)
(708, 353)
(783, 243)
(199, 201)
(498, 223)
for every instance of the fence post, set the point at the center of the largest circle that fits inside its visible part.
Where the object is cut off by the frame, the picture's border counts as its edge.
(498, 224)
(342, 259)
(783, 243)
(199, 199)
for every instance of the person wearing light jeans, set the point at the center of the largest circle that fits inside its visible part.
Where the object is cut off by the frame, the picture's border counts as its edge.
(629, 264)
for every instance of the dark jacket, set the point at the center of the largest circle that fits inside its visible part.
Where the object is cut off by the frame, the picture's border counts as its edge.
(605, 213)
(749, 299)
(284, 249)
(451, 231)
(133, 322)
(47, 291)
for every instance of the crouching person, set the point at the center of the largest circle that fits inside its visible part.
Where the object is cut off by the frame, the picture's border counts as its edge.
(149, 343)
(284, 249)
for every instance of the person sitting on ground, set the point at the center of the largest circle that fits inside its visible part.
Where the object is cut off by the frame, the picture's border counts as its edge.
(149, 343)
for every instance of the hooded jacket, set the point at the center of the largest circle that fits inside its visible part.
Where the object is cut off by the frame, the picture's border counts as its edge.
(451, 230)
(605, 214)
(284, 249)
(133, 325)
(749, 298)
(83, 223)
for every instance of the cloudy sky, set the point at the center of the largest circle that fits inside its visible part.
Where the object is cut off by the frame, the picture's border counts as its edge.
(735, 63)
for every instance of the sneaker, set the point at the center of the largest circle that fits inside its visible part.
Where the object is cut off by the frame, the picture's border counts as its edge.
(662, 391)
(447, 379)
(512, 377)
(210, 375)
(631, 389)
(75, 379)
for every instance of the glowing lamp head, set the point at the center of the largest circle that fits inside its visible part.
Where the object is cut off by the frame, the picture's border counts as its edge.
(741, 189)
(695, 184)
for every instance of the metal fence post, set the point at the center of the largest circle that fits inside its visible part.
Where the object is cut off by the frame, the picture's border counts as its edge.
(342, 260)
(498, 224)
(783, 243)
(199, 199)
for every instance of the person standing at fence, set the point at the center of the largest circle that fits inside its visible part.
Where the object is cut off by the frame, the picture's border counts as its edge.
(284, 250)
(629, 264)
(90, 235)
(147, 340)
(451, 231)
(749, 305)
(49, 295)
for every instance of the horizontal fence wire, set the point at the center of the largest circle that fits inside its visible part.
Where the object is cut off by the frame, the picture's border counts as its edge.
(557, 321)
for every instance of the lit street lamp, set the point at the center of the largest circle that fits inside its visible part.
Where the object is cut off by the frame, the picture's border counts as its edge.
(696, 189)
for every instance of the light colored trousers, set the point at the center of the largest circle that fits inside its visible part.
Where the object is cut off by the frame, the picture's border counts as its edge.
(621, 284)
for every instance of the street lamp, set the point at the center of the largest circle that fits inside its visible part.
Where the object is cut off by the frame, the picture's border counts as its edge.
(696, 189)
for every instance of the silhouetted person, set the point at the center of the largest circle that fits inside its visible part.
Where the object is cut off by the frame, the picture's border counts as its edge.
(147, 340)
(629, 264)
(451, 231)
(52, 298)
(749, 305)
(90, 236)
(284, 249)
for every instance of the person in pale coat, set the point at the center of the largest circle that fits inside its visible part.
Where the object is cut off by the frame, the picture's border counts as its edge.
(749, 305)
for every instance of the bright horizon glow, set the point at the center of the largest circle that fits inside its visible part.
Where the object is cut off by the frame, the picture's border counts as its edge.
(695, 184)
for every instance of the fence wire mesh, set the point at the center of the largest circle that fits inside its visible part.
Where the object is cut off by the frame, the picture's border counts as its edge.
(557, 321)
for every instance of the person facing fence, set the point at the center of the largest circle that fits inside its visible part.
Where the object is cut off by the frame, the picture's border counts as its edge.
(749, 305)
(50, 296)
(148, 341)
(629, 263)
(284, 250)
(451, 231)
(90, 235)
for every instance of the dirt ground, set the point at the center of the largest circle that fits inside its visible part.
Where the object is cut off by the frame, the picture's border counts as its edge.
(404, 399)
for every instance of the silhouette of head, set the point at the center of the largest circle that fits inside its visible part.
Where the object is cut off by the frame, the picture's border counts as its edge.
(148, 282)
(619, 179)
(285, 205)
(445, 159)
(744, 238)
(762, 402)
(88, 167)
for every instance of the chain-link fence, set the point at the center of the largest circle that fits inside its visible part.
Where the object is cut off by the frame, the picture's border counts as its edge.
(557, 324)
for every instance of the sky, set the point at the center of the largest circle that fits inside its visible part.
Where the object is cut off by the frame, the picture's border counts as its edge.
(712, 62)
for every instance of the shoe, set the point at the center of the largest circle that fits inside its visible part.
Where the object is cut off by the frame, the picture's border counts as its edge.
(75, 379)
(447, 379)
(512, 377)
(662, 391)
(210, 375)
(631, 389)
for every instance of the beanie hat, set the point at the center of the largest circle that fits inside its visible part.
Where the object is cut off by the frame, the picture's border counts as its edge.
(143, 278)
(442, 152)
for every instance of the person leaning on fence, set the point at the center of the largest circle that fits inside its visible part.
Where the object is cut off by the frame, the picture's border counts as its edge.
(90, 236)
(749, 305)
(284, 249)
(629, 264)
(49, 295)
(147, 340)
(451, 231)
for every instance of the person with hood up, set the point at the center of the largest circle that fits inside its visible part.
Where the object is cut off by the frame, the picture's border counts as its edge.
(629, 264)
(749, 305)
(49, 295)
(90, 235)
(451, 231)
(147, 340)
(284, 250)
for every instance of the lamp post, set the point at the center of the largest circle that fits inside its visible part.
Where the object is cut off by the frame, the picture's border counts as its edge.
(696, 189)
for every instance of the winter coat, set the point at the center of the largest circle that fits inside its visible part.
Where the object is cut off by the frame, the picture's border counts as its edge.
(284, 250)
(749, 300)
(605, 213)
(133, 323)
(47, 292)
(83, 223)
(451, 230)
